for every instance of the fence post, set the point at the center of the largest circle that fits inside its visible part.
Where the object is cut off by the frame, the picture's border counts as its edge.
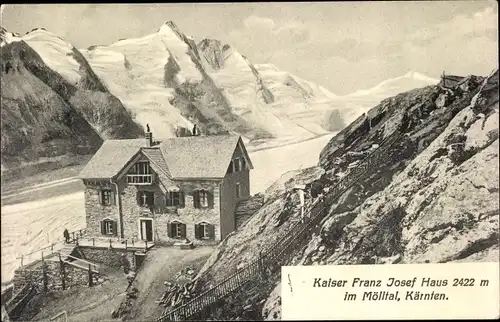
(44, 276)
(146, 245)
(63, 272)
(262, 270)
(125, 244)
(110, 244)
(91, 282)
(93, 241)
(22, 260)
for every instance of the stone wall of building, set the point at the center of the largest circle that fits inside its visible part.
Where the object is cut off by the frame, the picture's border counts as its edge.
(189, 215)
(96, 212)
(132, 211)
(229, 199)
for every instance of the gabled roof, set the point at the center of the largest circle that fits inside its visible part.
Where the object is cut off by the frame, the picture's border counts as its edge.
(111, 158)
(194, 157)
(154, 154)
(191, 157)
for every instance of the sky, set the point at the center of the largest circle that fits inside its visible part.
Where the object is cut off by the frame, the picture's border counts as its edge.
(343, 46)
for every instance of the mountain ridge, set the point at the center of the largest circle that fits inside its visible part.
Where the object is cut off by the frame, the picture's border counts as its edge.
(167, 80)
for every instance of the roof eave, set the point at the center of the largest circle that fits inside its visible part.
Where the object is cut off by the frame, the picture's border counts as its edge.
(196, 178)
(94, 178)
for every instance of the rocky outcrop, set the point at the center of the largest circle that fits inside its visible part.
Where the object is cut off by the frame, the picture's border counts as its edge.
(212, 52)
(434, 198)
(247, 208)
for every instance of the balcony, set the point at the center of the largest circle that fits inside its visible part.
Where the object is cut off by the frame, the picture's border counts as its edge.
(140, 179)
(146, 211)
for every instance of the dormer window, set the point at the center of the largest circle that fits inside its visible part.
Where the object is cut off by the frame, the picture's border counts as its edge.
(140, 174)
(142, 168)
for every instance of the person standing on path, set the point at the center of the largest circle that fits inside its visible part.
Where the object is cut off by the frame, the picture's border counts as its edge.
(66, 236)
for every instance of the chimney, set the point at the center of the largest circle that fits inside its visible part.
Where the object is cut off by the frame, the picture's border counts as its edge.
(149, 136)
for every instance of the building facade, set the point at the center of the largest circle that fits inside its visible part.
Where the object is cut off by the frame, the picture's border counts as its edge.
(182, 188)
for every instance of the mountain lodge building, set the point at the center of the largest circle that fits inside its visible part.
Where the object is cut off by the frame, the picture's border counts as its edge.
(165, 192)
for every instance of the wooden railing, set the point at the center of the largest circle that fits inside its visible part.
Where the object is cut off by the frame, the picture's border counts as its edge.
(48, 250)
(140, 179)
(280, 252)
(132, 243)
(88, 265)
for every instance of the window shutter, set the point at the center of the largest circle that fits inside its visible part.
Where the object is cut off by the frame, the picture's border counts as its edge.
(196, 199)
(100, 196)
(181, 199)
(169, 230)
(113, 198)
(197, 231)
(210, 197)
(139, 198)
(183, 230)
(211, 231)
(103, 228)
(115, 227)
(168, 199)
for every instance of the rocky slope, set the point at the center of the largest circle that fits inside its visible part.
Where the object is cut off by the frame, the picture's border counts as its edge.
(49, 111)
(434, 198)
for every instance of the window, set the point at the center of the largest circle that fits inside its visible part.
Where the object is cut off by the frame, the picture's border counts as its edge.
(176, 230)
(202, 199)
(145, 198)
(141, 168)
(243, 164)
(175, 199)
(108, 227)
(238, 191)
(236, 163)
(204, 231)
(106, 197)
(140, 174)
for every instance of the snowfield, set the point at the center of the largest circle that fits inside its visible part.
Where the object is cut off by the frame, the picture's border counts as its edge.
(55, 52)
(32, 225)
